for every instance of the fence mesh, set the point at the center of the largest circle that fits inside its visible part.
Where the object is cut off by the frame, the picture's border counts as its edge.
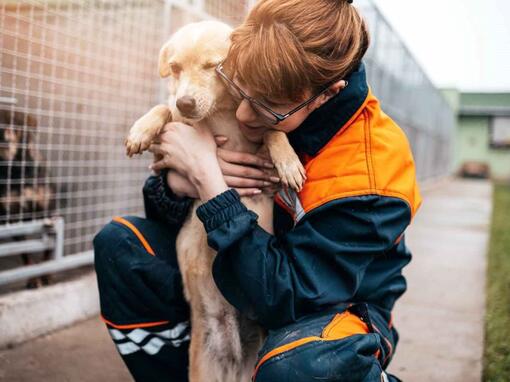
(75, 74)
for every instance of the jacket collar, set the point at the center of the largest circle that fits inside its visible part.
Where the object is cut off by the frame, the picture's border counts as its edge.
(322, 124)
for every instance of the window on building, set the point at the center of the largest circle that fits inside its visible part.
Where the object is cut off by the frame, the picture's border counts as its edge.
(500, 132)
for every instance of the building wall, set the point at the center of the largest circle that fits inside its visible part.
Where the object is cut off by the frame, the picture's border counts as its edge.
(473, 144)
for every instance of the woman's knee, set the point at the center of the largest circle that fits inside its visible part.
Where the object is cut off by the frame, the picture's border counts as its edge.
(137, 272)
(334, 345)
(131, 239)
(351, 359)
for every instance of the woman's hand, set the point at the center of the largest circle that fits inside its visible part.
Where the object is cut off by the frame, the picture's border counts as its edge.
(191, 152)
(239, 171)
(249, 174)
(186, 149)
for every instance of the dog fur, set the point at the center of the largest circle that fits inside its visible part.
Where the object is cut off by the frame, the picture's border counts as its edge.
(224, 344)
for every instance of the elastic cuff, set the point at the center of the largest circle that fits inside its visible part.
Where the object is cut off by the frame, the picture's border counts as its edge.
(169, 206)
(220, 209)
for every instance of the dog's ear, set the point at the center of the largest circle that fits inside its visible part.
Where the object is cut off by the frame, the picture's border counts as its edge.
(164, 60)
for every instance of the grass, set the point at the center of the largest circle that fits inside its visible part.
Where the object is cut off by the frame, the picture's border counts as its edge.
(497, 322)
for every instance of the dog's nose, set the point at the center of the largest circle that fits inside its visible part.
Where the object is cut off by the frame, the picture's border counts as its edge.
(186, 104)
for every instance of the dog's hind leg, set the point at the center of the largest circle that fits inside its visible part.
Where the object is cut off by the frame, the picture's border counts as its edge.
(201, 366)
(145, 129)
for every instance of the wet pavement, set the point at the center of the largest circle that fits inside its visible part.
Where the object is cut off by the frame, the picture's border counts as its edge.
(440, 318)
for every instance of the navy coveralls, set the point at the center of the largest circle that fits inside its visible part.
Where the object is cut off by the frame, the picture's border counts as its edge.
(323, 285)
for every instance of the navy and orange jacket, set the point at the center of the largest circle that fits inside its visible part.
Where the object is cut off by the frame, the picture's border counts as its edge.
(341, 239)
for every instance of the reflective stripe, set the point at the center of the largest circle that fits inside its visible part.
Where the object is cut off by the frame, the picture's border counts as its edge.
(178, 343)
(117, 334)
(153, 346)
(175, 332)
(289, 200)
(127, 348)
(138, 335)
(160, 339)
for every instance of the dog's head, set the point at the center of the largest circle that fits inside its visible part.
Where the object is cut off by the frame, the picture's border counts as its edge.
(189, 58)
(16, 130)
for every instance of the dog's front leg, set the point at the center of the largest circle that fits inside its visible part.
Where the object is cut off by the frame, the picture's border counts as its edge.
(145, 129)
(285, 159)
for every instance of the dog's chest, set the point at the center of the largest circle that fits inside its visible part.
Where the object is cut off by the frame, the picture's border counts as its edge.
(225, 124)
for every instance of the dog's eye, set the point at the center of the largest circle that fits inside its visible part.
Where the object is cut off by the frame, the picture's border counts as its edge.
(209, 65)
(176, 68)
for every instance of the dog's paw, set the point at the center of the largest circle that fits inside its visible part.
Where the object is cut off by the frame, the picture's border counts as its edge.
(146, 128)
(287, 163)
(137, 141)
(291, 171)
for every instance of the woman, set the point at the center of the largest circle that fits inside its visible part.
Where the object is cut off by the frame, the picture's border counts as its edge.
(325, 284)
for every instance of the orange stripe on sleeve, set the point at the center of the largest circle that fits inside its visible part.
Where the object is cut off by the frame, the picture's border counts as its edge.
(138, 234)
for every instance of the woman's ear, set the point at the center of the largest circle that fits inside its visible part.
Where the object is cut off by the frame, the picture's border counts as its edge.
(337, 87)
(332, 91)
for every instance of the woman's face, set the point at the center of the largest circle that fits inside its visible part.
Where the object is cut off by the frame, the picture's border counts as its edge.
(253, 125)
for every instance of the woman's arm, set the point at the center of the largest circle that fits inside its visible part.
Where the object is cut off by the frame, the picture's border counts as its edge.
(169, 195)
(321, 262)
(275, 280)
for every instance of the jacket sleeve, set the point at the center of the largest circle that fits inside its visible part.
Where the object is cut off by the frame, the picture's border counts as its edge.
(162, 204)
(320, 262)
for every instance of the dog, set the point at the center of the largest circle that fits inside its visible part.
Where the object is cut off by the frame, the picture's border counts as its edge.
(29, 191)
(224, 344)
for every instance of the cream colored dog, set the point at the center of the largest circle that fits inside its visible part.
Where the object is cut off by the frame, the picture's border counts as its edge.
(224, 344)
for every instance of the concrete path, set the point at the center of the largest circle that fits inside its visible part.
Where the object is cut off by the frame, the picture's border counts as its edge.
(440, 318)
(81, 353)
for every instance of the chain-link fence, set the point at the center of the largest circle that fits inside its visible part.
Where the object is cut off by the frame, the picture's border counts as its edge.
(75, 74)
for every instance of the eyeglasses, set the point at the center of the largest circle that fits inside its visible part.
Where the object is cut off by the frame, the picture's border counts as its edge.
(270, 116)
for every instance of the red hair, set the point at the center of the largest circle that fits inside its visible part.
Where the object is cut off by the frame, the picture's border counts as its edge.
(285, 47)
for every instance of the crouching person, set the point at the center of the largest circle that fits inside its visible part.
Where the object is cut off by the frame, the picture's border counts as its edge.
(325, 284)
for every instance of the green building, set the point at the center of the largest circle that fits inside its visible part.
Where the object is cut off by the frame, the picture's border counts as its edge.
(483, 131)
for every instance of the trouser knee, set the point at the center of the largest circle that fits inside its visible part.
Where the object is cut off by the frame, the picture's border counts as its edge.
(336, 345)
(137, 272)
(351, 359)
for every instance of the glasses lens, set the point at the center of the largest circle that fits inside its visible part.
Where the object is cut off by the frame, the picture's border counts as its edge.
(264, 113)
(234, 92)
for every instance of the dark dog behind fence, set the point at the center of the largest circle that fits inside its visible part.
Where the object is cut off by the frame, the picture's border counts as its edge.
(25, 191)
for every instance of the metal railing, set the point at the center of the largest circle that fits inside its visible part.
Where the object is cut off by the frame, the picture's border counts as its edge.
(78, 73)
